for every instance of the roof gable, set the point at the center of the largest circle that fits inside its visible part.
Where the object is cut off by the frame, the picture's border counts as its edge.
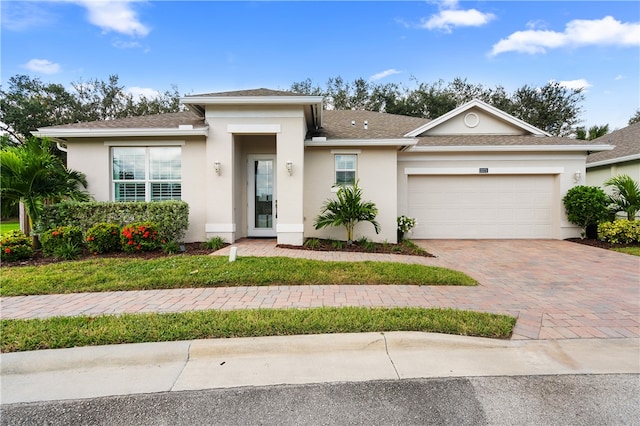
(476, 118)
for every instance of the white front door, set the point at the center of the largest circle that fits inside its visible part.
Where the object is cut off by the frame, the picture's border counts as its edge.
(262, 205)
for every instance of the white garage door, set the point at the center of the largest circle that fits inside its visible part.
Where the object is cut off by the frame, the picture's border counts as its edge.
(486, 206)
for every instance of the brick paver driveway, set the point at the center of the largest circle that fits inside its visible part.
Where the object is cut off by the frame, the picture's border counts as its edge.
(557, 289)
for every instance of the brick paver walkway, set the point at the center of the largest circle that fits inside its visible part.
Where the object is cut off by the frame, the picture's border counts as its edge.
(557, 289)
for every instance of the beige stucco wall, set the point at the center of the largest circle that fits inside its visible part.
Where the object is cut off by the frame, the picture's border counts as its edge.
(235, 133)
(596, 176)
(518, 163)
(93, 158)
(484, 124)
(376, 172)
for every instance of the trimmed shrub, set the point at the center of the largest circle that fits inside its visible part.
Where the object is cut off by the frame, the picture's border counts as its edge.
(214, 243)
(622, 231)
(103, 238)
(171, 217)
(140, 236)
(61, 239)
(586, 205)
(15, 245)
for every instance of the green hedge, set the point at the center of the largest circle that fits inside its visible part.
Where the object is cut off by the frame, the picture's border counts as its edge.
(622, 231)
(171, 217)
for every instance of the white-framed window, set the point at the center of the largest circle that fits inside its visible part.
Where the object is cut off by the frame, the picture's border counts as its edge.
(345, 169)
(146, 173)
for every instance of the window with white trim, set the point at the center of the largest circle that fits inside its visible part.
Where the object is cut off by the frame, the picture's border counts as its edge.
(146, 173)
(345, 169)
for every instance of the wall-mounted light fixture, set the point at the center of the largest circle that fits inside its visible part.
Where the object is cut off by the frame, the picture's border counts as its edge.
(576, 177)
(289, 167)
(216, 167)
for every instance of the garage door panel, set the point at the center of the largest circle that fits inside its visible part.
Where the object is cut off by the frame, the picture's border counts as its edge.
(488, 206)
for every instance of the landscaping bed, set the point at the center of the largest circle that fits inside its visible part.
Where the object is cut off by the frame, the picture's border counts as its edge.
(405, 247)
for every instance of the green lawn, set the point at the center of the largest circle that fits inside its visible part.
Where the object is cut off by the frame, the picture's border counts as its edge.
(115, 274)
(629, 250)
(9, 225)
(67, 332)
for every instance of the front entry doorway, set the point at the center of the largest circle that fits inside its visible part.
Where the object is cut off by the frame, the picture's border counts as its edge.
(262, 205)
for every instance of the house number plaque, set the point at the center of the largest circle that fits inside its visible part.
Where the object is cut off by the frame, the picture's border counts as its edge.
(484, 170)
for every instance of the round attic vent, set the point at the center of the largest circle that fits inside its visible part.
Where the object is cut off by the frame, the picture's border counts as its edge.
(471, 119)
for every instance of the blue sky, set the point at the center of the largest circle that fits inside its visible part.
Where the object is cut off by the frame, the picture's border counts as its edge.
(211, 46)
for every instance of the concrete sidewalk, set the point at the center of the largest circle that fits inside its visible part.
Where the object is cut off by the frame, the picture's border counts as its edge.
(90, 372)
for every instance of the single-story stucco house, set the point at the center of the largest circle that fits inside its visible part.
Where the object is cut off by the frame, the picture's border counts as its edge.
(261, 163)
(623, 159)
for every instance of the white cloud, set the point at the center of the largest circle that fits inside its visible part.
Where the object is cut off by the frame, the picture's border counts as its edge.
(383, 74)
(447, 19)
(599, 32)
(120, 44)
(580, 83)
(117, 16)
(620, 77)
(139, 92)
(42, 66)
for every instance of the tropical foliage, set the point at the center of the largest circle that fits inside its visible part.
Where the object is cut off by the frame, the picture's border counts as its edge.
(31, 174)
(347, 210)
(626, 195)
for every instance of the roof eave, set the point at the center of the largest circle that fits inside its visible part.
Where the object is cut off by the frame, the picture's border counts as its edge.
(360, 142)
(58, 134)
(614, 161)
(510, 148)
(251, 100)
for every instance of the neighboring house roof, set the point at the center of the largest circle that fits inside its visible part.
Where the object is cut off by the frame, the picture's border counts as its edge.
(626, 143)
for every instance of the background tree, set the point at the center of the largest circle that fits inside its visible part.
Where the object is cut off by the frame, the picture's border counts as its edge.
(32, 175)
(347, 211)
(552, 107)
(594, 132)
(28, 103)
(635, 118)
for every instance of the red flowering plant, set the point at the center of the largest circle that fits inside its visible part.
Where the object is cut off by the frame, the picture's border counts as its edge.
(15, 245)
(142, 236)
(59, 238)
(103, 238)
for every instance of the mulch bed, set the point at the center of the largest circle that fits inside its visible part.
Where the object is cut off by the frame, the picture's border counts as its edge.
(328, 245)
(600, 244)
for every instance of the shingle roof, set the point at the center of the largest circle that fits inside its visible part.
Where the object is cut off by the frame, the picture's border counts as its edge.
(626, 141)
(158, 121)
(336, 124)
(250, 92)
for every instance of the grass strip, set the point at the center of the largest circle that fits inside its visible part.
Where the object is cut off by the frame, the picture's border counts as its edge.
(116, 274)
(635, 251)
(67, 332)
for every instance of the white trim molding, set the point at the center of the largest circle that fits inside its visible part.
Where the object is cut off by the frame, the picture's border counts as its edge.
(219, 227)
(510, 148)
(94, 133)
(346, 151)
(483, 170)
(253, 128)
(361, 142)
(144, 143)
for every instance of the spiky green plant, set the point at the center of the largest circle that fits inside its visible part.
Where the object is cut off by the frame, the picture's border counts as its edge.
(625, 196)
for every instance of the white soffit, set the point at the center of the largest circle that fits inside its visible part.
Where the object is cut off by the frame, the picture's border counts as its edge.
(614, 161)
(360, 142)
(476, 103)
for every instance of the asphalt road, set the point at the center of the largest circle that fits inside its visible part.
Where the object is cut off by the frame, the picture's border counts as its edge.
(520, 400)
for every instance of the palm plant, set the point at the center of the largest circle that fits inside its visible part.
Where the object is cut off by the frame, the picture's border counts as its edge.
(347, 210)
(32, 175)
(625, 196)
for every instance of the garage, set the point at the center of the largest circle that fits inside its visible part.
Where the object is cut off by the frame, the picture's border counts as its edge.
(482, 206)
